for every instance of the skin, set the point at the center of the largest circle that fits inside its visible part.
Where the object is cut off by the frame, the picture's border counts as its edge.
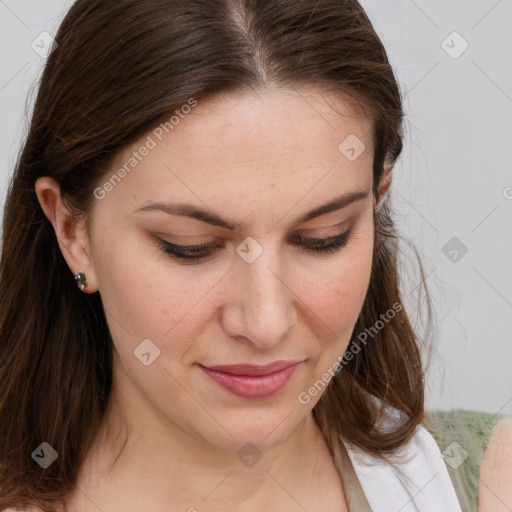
(263, 160)
(495, 476)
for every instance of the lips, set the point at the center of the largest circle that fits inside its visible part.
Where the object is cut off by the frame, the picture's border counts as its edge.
(251, 381)
(251, 369)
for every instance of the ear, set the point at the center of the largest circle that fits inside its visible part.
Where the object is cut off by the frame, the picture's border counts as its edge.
(383, 188)
(70, 231)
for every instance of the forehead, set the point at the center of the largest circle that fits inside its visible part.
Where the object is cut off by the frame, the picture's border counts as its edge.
(267, 125)
(274, 145)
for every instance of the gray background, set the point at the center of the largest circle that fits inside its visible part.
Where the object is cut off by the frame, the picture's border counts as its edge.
(452, 185)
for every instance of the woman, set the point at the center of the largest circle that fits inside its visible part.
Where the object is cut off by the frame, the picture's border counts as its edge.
(214, 176)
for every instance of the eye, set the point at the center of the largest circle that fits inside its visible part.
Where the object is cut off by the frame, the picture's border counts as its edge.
(326, 245)
(188, 252)
(191, 253)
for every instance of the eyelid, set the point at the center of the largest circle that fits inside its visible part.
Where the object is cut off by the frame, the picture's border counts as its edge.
(323, 232)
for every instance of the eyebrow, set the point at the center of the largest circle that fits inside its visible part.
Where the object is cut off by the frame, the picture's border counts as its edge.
(189, 210)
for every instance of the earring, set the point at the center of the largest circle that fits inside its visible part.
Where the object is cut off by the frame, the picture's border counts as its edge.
(80, 281)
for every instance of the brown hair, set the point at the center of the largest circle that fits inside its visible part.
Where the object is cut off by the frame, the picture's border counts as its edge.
(119, 67)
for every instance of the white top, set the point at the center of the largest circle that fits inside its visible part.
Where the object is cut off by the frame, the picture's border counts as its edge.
(422, 483)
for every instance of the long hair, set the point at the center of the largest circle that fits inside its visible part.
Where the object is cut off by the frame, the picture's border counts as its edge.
(120, 66)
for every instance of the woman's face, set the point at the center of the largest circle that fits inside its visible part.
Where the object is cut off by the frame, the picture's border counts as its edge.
(259, 293)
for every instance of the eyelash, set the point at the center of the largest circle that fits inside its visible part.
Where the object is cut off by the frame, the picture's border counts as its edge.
(321, 245)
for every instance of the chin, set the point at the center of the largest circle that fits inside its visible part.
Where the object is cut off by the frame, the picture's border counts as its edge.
(261, 429)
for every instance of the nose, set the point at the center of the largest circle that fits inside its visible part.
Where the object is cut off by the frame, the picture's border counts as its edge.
(261, 301)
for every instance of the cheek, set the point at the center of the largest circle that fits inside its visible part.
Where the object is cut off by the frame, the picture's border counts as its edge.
(146, 296)
(336, 295)
(335, 291)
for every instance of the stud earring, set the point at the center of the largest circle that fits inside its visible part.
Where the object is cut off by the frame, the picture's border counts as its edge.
(80, 281)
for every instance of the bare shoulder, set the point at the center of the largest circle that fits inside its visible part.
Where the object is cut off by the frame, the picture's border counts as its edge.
(495, 488)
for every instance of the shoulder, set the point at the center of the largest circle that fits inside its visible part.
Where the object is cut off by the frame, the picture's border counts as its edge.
(496, 469)
(474, 446)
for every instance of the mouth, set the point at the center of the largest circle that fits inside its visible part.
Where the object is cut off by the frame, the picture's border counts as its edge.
(250, 381)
